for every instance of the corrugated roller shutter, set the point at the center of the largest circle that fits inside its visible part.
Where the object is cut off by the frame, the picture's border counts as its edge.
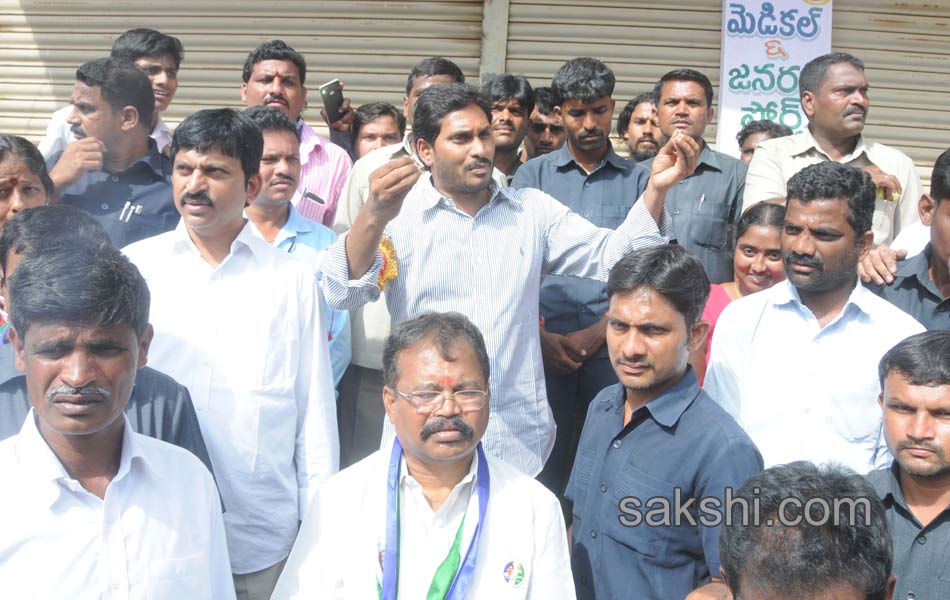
(369, 45)
(904, 44)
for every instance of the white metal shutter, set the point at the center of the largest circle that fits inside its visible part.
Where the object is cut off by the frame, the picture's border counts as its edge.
(370, 45)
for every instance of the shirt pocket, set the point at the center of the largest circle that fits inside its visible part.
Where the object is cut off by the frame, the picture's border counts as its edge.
(709, 228)
(635, 494)
(179, 578)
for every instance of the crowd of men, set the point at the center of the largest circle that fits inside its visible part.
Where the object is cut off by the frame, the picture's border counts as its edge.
(485, 356)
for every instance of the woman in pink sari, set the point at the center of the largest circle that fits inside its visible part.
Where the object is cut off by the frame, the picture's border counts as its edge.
(757, 265)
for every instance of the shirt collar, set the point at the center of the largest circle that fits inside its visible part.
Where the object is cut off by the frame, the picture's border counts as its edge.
(710, 158)
(430, 197)
(564, 158)
(154, 160)
(668, 407)
(919, 267)
(784, 293)
(38, 459)
(805, 142)
(245, 239)
(891, 486)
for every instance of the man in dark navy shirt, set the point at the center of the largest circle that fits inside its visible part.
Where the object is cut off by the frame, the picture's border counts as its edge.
(114, 170)
(591, 179)
(657, 456)
(921, 285)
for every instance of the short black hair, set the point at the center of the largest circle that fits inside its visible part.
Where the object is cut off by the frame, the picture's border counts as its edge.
(438, 101)
(229, 131)
(842, 537)
(670, 271)
(585, 79)
(36, 230)
(774, 130)
(270, 119)
(544, 100)
(831, 180)
(433, 66)
(940, 178)
(684, 75)
(444, 329)
(505, 86)
(84, 284)
(374, 110)
(147, 43)
(17, 148)
(814, 72)
(766, 214)
(121, 84)
(274, 50)
(922, 359)
(623, 121)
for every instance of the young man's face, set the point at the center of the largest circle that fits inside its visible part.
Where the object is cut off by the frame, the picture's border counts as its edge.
(92, 116)
(509, 124)
(841, 105)
(683, 106)
(163, 73)
(545, 134)
(381, 131)
(917, 425)
(419, 85)
(587, 123)
(463, 153)
(643, 135)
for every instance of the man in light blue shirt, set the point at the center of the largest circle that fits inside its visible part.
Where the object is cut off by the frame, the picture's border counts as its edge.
(276, 221)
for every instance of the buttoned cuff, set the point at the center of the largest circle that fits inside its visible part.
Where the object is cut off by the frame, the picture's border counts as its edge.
(341, 292)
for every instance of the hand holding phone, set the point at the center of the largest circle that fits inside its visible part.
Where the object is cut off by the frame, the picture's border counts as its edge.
(332, 95)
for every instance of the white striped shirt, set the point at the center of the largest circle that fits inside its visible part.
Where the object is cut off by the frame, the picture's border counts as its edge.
(489, 268)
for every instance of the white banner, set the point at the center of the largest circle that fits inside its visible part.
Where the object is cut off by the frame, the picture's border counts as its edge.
(764, 47)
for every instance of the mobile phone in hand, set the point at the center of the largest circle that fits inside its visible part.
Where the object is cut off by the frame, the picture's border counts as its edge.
(332, 95)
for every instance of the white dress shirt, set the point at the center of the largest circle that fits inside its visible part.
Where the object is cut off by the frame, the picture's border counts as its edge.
(489, 268)
(338, 551)
(157, 533)
(59, 133)
(777, 159)
(800, 391)
(248, 340)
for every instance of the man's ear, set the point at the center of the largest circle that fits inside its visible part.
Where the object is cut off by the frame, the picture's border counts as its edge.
(865, 242)
(925, 208)
(808, 104)
(130, 118)
(710, 115)
(244, 94)
(145, 342)
(405, 108)
(697, 335)
(558, 112)
(253, 187)
(389, 398)
(426, 152)
(891, 585)
(16, 341)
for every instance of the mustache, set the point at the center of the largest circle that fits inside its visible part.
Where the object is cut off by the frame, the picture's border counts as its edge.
(275, 98)
(78, 131)
(794, 258)
(196, 198)
(910, 443)
(443, 423)
(591, 132)
(280, 178)
(478, 162)
(855, 110)
(92, 389)
(646, 137)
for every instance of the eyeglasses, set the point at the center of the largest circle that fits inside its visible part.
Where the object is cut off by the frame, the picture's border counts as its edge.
(426, 402)
(539, 128)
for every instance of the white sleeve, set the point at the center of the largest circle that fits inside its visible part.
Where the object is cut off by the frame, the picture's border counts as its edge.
(764, 180)
(552, 578)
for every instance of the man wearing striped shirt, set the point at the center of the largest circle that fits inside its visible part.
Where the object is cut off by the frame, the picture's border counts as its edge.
(454, 241)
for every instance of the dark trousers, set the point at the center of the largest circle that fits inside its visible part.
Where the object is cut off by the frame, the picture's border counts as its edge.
(569, 396)
(360, 413)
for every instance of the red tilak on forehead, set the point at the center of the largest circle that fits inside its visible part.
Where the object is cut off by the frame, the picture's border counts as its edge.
(446, 381)
(13, 181)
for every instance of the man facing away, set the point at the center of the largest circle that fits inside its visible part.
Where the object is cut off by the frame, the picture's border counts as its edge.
(431, 515)
(114, 170)
(242, 325)
(93, 509)
(446, 236)
(915, 488)
(159, 56)
(796, 364)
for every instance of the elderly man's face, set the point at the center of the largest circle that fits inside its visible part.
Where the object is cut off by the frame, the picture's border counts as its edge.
(448, 431)
(79, 378)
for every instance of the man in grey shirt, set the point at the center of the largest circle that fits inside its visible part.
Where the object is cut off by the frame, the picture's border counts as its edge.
(706, 205)
(915, 489)
(159, 406)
